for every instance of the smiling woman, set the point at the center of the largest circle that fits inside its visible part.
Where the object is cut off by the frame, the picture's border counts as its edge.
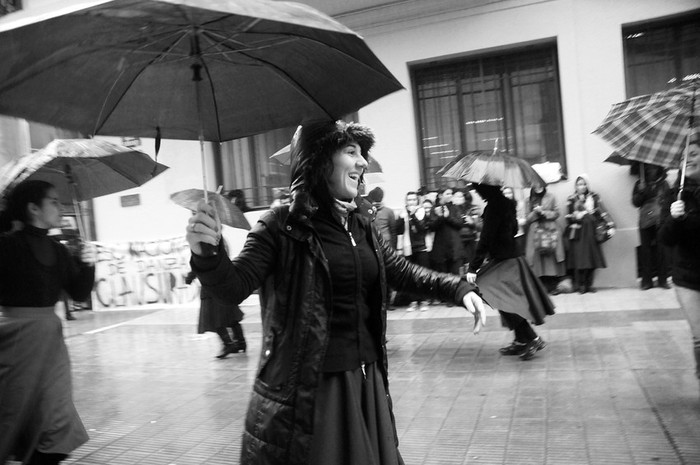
(324, 272)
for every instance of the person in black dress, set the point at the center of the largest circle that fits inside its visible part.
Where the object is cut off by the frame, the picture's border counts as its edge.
(506, 280)
(39, 424)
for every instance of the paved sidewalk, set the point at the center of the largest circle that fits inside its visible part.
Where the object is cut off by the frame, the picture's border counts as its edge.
(614, 386)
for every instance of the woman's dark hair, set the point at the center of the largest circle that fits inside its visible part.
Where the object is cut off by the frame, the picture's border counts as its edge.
(311, 152)
(26, 192)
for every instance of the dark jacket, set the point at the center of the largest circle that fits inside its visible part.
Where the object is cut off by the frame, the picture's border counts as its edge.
(447, 243)
(497, 240)
(416, 230)
(284, 255)
(683, 235)
(656, 191)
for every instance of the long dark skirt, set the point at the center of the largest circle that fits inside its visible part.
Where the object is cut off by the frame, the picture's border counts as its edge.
(36, 399)
(353, 422)
(214, 315)
(511, 286)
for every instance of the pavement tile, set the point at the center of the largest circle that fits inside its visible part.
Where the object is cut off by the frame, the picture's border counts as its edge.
(614, 385)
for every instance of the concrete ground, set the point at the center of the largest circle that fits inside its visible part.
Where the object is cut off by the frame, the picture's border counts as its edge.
(615, 385)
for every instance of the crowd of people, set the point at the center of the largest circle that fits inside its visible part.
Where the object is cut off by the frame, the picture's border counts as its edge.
(325, 262)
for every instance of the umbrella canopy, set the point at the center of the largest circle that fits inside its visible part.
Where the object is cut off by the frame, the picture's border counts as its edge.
(126, 67)
(229, 214)
(653, 128)
(373, 175)
(618, 159)
(82, 169)
(495, 169)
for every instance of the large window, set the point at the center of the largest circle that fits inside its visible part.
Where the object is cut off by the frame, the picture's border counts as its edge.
(246, 165)
(510, 99)
(660, 54)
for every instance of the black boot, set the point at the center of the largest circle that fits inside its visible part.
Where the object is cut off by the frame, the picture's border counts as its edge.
(239, 344)
(228, 342)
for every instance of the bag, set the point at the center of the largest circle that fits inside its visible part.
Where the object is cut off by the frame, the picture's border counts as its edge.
(602, 230)
(649, 214)
(574, 232)
(546, 240)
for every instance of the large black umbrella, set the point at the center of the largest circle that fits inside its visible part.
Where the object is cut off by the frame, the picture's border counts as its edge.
(184, 69)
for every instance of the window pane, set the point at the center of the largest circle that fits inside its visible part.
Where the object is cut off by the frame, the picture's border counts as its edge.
(659, 53)
(468, 105)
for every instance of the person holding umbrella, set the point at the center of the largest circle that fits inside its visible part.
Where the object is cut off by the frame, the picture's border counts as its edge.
(38, 421)
(321, 391)
(681, 231)
(508, 283)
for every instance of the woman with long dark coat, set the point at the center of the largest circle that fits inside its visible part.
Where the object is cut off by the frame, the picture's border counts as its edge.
(39, 424)
(504, 277)
(321, 394)
(584, 255)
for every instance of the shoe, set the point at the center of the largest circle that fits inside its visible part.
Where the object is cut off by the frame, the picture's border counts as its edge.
(412, 307)
(582, 290)
(646, 286)
(664, 285)
(515, 348)
(532, 348)
(590, 289)
(232, 348)
(70, 317)
(424, 308)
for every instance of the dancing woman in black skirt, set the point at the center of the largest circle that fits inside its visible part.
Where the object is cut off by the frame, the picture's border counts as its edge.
(321, 393)
(506, 280)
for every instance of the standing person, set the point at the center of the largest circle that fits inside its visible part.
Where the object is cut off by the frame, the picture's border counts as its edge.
(446, 222)
(681, 231)
(411, 229)
(38, 421)
(541, 215)
(462, 200)
(507, 282)
(385, 219)
(237, 197)
(221, 318)
(520, 214)
(321, 391)
(648, 194)
(584, 255)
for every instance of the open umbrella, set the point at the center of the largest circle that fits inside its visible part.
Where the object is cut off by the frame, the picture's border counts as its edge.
(229, 214)
(373, 175)
(495, 169)
(82, 169)
(618, 159)
(184, 69)
(653, 128)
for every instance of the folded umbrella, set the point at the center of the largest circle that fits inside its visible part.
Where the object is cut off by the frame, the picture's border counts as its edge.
(229, 214)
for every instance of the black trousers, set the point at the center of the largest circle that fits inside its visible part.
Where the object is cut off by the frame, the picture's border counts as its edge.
(522, 329)
(650, 250)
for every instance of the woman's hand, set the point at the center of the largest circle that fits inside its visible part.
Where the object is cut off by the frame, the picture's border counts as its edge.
(88, 253)
(203, 227)
(475, 305)
(678, 209)
(471, 278)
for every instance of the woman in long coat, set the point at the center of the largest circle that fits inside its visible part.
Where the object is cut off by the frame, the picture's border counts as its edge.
(542, 213)
(38, 421)
(584, 255)
(321, 394)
